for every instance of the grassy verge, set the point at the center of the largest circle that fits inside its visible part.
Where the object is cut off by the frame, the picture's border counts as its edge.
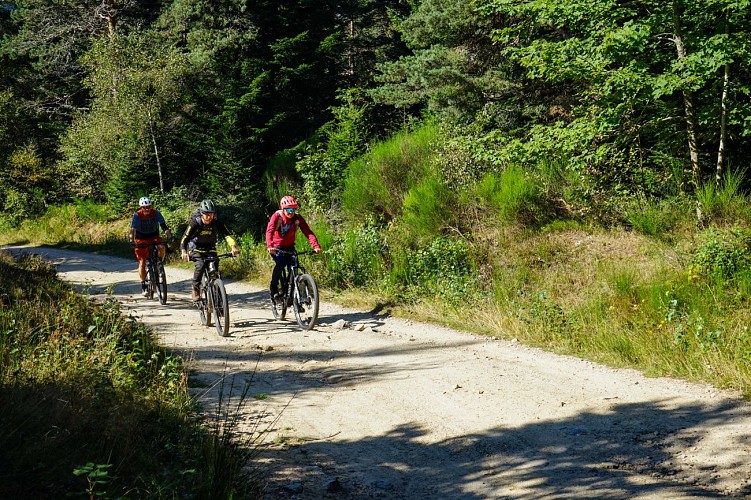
(93, 407)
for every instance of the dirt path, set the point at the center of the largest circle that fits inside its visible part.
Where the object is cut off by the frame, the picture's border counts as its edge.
(385, 408)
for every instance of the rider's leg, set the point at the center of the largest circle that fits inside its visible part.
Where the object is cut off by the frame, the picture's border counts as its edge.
(142, 270)
(142, 275)
(276, 274)
(196, 285)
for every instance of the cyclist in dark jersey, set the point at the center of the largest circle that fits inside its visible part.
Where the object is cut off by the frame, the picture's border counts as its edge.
(144, 229)
(200, 240)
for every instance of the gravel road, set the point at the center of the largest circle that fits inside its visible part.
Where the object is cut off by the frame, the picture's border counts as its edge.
(369, 406)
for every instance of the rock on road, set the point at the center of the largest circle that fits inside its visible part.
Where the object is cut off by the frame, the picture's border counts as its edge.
(369, 406)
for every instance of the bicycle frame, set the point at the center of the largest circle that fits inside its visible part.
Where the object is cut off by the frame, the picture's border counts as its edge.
(155, 276)
(213, 295)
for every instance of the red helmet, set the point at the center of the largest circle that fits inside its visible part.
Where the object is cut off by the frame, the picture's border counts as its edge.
(288, 202)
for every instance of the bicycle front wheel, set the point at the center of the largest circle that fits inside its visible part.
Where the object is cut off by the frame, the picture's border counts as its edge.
(221, 308)
(203, 304)
(305, 302)
(152, 280)
(161, 283)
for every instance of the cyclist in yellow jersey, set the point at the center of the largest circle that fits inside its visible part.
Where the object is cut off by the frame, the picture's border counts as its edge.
(199, 241)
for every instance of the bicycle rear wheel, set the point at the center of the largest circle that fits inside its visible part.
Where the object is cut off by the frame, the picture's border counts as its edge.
(161, 283)
(305, 302)
(221, 307)
(279, 306)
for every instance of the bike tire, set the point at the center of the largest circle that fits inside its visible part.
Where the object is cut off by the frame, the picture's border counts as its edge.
(279, 306)
(305, 303)
(161, 283)
(221, 307)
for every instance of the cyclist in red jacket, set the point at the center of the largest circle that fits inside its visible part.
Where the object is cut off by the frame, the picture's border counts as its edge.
(280, 234)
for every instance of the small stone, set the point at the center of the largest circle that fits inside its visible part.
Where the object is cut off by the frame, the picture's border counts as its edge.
(294, 487)
(382, 484)
(334, 486)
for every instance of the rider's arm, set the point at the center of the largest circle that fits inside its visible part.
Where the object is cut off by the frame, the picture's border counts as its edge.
(222, 230)
(133, 224)
(192, 227)
(270, 229)
(162, 222)
(305, 228)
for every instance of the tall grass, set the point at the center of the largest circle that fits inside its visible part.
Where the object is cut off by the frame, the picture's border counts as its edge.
(723, 200)
(377, 183)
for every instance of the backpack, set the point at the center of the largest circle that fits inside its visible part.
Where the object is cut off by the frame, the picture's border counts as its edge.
(195, 215)
(283, 230)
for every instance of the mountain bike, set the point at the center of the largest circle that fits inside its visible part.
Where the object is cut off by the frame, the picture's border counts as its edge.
(155, 276)
(299, 291)
(213, 296)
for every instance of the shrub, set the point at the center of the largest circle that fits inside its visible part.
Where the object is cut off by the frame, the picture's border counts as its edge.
(357, 258)
(721, 253)
(510, 194)
(427, 209)
(378, 182)
(441, 269)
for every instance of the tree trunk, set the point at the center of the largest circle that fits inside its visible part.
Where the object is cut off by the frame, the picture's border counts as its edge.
(688, 102)
(156, 154)
(723, 126)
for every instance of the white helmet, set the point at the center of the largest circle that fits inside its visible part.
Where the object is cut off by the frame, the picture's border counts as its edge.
(144, 202)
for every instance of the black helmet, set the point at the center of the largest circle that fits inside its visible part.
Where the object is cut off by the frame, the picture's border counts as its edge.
(207, 206)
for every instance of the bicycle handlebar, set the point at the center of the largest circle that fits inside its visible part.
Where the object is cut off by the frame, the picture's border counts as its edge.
(295, 252)
(215, 257)
(146, 245)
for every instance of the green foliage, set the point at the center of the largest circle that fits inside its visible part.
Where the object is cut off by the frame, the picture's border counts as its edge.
(323, 166)
(451, 68)
(88, 395)
(27, 184)
(659, 217)
(724, 200)
(619, 117)
(97, 476)
(428, 209)
(357, 258)
(377, 183)
(510, 195)
(115, 148)
(440, 270)
(721, 253)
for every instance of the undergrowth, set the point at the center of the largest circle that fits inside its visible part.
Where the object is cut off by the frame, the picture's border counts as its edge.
(92, 406)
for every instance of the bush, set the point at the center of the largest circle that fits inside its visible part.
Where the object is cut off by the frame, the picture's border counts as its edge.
(357, 258)
(721, 253)
(441, 269)
(510, 194)
(427, 209)
(377, 183)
